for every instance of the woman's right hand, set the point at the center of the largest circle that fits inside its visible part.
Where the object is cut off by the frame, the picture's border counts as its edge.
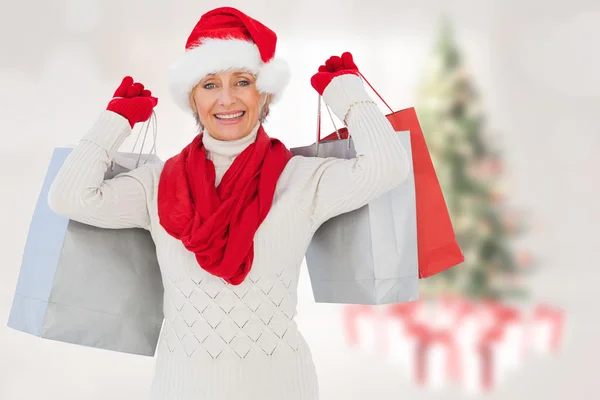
(132, 101)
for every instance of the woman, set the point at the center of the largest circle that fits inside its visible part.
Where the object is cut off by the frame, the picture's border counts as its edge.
(232, 215)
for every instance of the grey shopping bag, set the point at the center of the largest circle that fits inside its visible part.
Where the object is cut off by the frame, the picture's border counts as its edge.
(85, 285)
(367, 256)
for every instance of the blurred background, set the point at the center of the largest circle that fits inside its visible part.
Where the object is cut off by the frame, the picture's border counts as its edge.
(507, 93)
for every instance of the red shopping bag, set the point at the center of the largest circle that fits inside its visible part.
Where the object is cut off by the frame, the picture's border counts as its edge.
(436, 242)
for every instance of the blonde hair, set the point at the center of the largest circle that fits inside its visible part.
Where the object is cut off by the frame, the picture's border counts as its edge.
(264, 109)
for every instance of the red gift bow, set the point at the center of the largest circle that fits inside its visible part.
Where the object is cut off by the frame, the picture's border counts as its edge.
(503, 315)
(427, 336)
(402, 310)
(351, 312)
(486, 351)
(556, 316)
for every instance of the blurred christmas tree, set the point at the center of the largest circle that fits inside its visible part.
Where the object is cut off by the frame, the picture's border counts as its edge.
(469, 169)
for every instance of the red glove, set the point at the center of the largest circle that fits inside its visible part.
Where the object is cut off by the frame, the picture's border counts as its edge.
(132, 101)
(333, 67)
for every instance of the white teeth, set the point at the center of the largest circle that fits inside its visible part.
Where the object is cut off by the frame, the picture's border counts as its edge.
(229, 116)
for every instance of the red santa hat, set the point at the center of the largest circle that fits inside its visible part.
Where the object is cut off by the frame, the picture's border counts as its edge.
(227, 39)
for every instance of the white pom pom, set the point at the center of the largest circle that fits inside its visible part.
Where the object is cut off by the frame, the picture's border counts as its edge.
(273, 77)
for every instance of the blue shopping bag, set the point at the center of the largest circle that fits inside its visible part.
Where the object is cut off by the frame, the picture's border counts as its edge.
(86, 285)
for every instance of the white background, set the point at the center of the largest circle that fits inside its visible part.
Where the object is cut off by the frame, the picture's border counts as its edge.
(535, 62)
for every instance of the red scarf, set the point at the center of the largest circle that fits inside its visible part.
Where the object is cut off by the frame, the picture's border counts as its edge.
(218, 224)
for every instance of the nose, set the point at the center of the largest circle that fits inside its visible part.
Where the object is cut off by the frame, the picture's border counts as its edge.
(226, 96)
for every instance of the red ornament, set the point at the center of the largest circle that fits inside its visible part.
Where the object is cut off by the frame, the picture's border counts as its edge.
(524, 258)
(511, 223)
(497, 167)
(497, 196)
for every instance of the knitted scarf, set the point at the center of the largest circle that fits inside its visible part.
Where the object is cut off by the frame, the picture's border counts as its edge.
(218, 224)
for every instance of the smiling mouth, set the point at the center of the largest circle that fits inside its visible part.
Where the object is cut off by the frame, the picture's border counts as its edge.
(230, 116)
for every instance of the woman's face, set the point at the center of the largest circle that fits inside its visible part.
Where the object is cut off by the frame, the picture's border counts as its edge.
(228, 104)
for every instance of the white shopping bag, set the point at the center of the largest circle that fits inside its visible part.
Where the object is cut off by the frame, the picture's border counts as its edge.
(368, 256)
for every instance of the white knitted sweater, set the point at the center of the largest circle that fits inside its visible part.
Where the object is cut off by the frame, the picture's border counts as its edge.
(224, 342)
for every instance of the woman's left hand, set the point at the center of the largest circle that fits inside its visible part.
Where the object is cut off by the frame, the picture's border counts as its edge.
(334, 66)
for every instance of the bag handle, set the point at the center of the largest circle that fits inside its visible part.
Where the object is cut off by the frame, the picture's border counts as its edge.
(152, 120)
(378, 95)
(331, 117)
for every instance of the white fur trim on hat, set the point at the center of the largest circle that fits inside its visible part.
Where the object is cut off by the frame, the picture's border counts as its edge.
(217, 55)
(273, 78)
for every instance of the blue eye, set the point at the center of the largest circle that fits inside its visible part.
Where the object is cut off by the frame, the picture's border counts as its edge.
(244, 83)
(209, 84)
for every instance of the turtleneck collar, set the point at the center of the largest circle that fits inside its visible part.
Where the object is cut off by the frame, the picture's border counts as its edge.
(228, 148)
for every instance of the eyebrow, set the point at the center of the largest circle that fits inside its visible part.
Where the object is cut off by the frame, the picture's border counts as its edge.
(236, 73)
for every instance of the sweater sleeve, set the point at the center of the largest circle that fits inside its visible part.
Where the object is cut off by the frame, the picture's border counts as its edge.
(80, 191)
(335, 186)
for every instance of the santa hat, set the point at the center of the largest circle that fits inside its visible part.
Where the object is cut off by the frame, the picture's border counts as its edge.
(227, 39)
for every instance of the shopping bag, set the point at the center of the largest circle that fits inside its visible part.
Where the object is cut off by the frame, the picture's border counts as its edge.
(367, 256)
(437, 246)
(90, 286)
